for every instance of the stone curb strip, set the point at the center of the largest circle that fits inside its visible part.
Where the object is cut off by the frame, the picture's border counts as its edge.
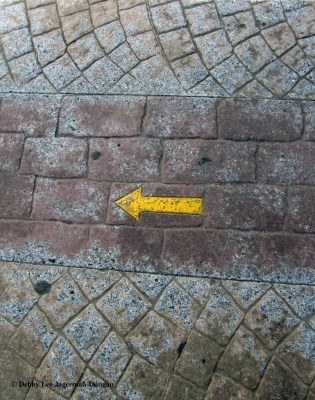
(65, 160)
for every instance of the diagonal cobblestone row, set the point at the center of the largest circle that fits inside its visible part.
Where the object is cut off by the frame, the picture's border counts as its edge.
(209, 48)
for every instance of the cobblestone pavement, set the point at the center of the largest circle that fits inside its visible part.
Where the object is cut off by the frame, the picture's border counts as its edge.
(150, 336)
(245, 48)
(218, 306)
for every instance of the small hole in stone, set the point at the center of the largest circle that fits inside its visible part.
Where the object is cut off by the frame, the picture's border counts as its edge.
(204, 160)
(118, 144)
(42, 287)
(96, 155)
(203, 361)
(71, 291)
(181, 348)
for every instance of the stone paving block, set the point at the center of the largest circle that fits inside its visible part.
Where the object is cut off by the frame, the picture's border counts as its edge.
(116, 302)
(3, 66)
(298, 352)
(12, 17)
(246, 293)
(6, 330)
(301, 210)
(100, 392)
(202, 19)
(124, 57)
(111, 358)
(254, 53)
(279, 37)
(176, 43)
(156, 340)
(279, 381)
(214, 47)
(101, 116)
(245, 207)
(24, 68)
(180, 389)
(101, 68)
(116, 215)
(298, 61)
(126, 159)
(135, 20)
(189, 70)
(39, 84)
(302, 21)
(87, 331)
(198, 288)
(278, 78)
(286, 163)
(85, 51)
(65, 7)
(80, 85)
(180, 117)
(47, 157)
(49, 46)
(103, 12)
(240, 26)
(220, 318)
(300, 298)
(110, 36)
(76, 25)
(43, 19)
(307, 45)
(16, 43)
(232, 7)
(42, 242)
(16, 196)
(61, 72)
(142, 379)
(61, 364)
(125, 247)
(73, 201)
(231, 74)
(10, 152)
(223, 388)
(198, 359)
(303, 90)
(34, 337)
(201, 161)
(268, 13)
(15, 368)
(93, 283)
(64, 300)
(309, 120)
(178, 306)
(168, 16)
(17, 300)
(260, 120)
(245, 359)
(278, 319)
(149, 284)
(144, 45)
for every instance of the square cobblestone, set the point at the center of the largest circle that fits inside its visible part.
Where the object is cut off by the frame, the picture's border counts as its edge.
(101, 68)
(202, 19)
(85, 51)
(149, 284)
(198, 288)
(246, 293)
(49, 46)
(97, 392)
(240, 26)
(125, 301)
(135, 20)
(176, 43)
(181, 389)
(111, 358)
(232, 6)
(124, 57)
(87, 331)
(224, 388)
(16, 43)
(144, 45)
(214, 47)
(104, 12)
(12, 17)
(66, 7)
(61, 72)
(110, 36)
(268, 13)
(43, 19)
(279, 37)
(168, 16)
(189, 70)
(24, 68)
(300, 298)
(302, 21)
(76, 25)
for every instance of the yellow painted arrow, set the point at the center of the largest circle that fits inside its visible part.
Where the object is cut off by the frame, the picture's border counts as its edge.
(134, 203)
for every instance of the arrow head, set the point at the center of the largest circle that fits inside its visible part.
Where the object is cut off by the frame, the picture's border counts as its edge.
(131, 203)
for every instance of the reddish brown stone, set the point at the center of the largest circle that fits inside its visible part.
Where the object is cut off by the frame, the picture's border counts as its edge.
(15, 196)
(180, 117)
(133, 159)
(301, 213)
(101, 116)
(260, 120)
(287, 163)
(116, 215)
(206, 252)
(125, 247)
(43, 242)
(75, 200)
(309, 120)
(34, 115)
(63, 157)
(245, 207)
(10, 151)
(203, 161)
(288, 251)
